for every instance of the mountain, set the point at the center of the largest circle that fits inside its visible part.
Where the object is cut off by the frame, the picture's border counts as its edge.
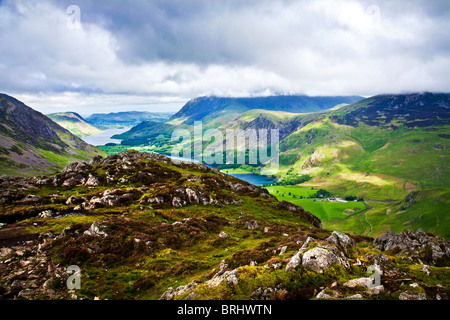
(32, 144)
(215, 112)
(74, 123)
(140, 226)
(126, 119)
(206, 108)
(410, 110)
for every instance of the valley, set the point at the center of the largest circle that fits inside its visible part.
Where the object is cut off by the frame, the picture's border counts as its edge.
(380, 149)
(143, 226)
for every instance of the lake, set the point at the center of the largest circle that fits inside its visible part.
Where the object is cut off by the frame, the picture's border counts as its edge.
(104, 137)
(253, 178)
(248, 177)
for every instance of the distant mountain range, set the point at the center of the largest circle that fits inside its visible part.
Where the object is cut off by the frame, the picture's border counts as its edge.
(215, 112)
(205, 108)
(75, 123)
(32, 144)
(126, 119)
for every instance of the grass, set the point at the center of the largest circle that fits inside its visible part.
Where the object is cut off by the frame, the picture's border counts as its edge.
(429, 211)
(323, 209)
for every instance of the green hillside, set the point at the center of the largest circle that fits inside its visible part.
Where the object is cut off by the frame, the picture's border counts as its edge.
(32, 144)
(74, 123)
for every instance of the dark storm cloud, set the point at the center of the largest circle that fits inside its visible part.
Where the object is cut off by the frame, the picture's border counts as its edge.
(175, 50)
(195, 31)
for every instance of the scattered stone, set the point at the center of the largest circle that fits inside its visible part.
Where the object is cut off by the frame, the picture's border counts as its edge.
(354, 297)
(363, 282)
(176, 202)
(171, 293)
(410, 295)
(426, 268)
(96, 231)
(251, 225)
(322, 295)
(230, 277)
(92, 181)
(223, 235)
(46, 214)
(295, 261)
(375, 290)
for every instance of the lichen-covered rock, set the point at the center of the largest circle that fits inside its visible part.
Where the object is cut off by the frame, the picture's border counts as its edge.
(96, 231)
(230, 278)
(319, 259)
(171, 293)
(341, 239)
(92, 181)
(251, 225)
(223, 235)
(295, 261)
(363, 282)
(46, 214)
(414, 243)
(411, 295)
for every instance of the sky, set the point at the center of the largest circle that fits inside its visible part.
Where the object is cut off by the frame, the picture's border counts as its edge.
(117, 55)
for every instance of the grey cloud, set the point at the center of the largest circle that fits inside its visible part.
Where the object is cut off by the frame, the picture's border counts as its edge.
(183, 49)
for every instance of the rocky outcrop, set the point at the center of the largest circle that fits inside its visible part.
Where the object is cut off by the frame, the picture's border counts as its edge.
(341, 240)
(411, 295)
(171, 293)
(28, 272)
(321, 258)
(414, 243)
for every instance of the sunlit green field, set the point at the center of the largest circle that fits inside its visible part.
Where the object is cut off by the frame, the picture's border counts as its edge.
(323, 209)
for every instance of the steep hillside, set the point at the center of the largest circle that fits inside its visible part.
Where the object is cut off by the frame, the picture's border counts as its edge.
(74, 123)
(32, 144)
(140, 226)
(125, 119)
(382, 149)
(411, 110)
(404, 136)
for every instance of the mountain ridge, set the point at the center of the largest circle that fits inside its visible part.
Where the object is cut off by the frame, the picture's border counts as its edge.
(199, 108)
